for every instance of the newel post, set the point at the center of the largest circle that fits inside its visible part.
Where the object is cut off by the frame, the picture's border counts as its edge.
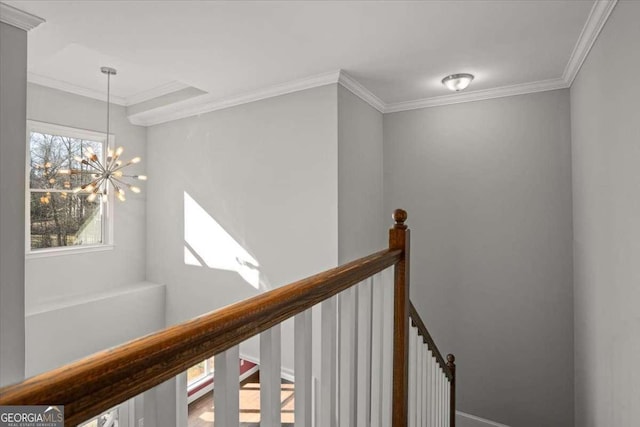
(451, 363)
(399, 239)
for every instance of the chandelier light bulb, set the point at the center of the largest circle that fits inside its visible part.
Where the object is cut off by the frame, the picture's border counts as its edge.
(457, 82)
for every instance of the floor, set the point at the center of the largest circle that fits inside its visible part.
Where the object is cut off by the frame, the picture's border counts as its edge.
(201, 410)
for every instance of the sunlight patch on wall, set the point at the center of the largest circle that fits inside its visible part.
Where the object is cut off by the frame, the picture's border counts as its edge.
(190, 258)
(207, 243)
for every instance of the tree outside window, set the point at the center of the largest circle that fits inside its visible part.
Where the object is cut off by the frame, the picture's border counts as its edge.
(58, 216)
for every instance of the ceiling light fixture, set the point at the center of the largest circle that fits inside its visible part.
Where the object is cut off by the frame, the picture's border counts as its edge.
(457, 82)
(111, 171)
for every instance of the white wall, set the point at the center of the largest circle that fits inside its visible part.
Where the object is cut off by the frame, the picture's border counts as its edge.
(87, 302)
(13, 88)
(605, 129)
(87, 273)
(487, 186)
(266, 172)
(362, 223)
(79, 328)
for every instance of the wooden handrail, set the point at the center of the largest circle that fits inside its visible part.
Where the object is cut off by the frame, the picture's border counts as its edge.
(96, 383)
(426, 337)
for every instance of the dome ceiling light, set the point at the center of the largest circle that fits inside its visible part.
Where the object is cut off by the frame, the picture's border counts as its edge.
(457, 82)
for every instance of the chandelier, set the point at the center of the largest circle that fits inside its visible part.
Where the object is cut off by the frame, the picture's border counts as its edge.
(107, 173)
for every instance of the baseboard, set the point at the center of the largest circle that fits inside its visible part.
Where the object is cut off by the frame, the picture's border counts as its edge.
(467, 420)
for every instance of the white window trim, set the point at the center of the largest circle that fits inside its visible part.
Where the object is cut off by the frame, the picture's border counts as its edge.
(54, 129)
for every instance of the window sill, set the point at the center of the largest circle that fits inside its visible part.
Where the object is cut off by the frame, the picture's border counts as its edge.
(199, 384)
(72, 250)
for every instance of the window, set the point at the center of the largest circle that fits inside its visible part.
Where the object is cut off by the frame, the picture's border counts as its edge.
(58, 217)
(199, 372)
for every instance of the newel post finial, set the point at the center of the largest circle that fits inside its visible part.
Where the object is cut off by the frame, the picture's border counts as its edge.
(400, 216)
(451, 360)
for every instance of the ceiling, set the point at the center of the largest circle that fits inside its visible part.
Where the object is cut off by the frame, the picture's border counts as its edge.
(398, 51)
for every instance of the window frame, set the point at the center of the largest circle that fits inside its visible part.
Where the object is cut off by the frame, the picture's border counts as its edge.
(208, 374)
(107, 221)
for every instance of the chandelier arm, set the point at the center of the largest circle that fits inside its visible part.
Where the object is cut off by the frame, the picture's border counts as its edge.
(124, 165)
(101, 168)
(93, 166)
(122, 183)
(99, 183)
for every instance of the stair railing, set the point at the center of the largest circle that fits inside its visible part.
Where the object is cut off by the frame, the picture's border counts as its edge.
(373, 370)
(432, 388)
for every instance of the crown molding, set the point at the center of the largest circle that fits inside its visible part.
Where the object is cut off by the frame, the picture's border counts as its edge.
(478, 95)
(597, 18)
(360, 91)
(208, 103)
(71, 88)
(155, 92)
(19, 18)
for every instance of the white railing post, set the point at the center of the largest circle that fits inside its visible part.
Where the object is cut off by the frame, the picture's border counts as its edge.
(434, 389)
(302, 364)
(227, 396)
(364, 374)
(328, 352)
(347, 357)
(412, 392)
(270, 377)
(387, 349)
(377, 345)
(420, 370)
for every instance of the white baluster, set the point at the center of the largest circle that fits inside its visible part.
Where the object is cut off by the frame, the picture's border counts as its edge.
(347, 357)
(447, 402)
(440, 397)
(440, 424)
(387, 360)
(302, 365)
(327, 413)
(364, 292)
(434, 388)
(377, 346)
(425, 376)
(419, 371)
(270, 377)
(227, 395)
(429, 400)
(412, 377)
(445, 408)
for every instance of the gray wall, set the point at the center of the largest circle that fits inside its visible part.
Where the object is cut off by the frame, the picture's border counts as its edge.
(605, 120)
(266, 172)
(487, 186)
(361, 222)
(13, 97)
